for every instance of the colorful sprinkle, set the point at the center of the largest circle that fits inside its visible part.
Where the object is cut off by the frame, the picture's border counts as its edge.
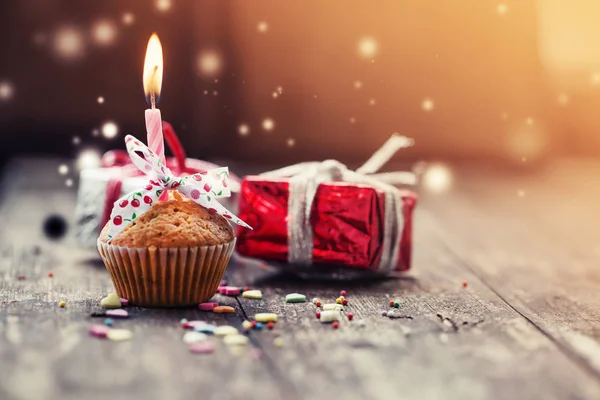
(205, 347)
(223, 310)
(330, 316)
(223, 282)
(295, 298)
(192, 324)
(118, 335)
(225, 330)
(209, 329)
(117, 313)
(247, 324)
(338, 300)
(246, 288)
(342, 293)
(231, 291)
(344, 302)
(252, 294)
(335, 324)
(318, 304)
(465, 283)
(396, 304)
(50, 274)
(124, 302)
(111, 301)
(194, 337)
(315, 300)
(253, 324)
(99, 330)
(259, 326)
(278, 341)
(330, 307)
(183, 321)
(350, 316)
(270, 325)
(384, 313)
(236, 340)
(265, 317)
(108, 322)
(62, 304)
(209, 306)
(318, 314)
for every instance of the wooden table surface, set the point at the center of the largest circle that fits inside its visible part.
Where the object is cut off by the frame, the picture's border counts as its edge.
(526, 327)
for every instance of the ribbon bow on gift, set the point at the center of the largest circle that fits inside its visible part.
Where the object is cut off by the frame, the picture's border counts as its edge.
(305, 179)
(203, 188)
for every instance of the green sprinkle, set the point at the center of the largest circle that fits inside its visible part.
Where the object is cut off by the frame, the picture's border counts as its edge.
(295, 298)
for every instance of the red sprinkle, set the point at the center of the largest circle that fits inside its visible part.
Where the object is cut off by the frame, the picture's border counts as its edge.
(350, 316)
(318, 314)
(392, 303)
(318, 304)
(253, 324)
(335, 324)
(345, 302)
(270, 325)
(342, 293)
(21, 277)
(464, 283)
(246, 288)
(50, 274)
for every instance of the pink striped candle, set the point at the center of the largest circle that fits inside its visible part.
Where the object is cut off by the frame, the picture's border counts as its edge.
(155, 135)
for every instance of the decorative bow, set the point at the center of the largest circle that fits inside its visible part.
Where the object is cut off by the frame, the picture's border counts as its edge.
(203, 188)
(305, 179)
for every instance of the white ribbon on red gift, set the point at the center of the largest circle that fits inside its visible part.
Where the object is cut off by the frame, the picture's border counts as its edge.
(305, 179)
(203, 188)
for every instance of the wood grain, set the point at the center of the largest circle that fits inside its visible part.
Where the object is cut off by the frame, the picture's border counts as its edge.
(524, 328)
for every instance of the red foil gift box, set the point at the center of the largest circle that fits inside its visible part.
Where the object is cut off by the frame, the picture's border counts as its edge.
(347, 221)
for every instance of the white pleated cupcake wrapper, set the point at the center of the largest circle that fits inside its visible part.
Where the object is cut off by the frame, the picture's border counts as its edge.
(167, 277)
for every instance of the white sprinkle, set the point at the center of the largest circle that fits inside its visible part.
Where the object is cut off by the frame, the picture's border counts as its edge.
(193, 337)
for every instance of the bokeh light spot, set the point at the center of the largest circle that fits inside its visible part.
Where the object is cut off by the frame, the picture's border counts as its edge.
(69, 43)
(163, 5)
(104, 32)
(110, 130)
(427, 105)
(7, 91)
(243, 130)
(502, 9)
(88, 158)
(63, 169)
(437, 178)
(209, 63)
(128, 18)
(268, 124)
(262, 27)
(367, 47)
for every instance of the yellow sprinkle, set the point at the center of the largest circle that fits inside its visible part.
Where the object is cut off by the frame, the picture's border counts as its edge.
(62, 304)
(265, 317)
(278, 341)
(338, 300)
(252, 294)
(247, 324)
(328, 307)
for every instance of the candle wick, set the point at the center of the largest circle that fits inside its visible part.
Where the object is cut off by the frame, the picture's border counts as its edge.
(152, 100)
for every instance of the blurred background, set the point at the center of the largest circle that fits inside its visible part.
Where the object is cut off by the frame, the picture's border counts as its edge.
(274, 82)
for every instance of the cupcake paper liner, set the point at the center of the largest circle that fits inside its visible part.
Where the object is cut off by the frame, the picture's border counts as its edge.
(166, 277)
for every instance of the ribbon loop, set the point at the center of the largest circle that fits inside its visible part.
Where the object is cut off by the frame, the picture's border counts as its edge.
(202, 188)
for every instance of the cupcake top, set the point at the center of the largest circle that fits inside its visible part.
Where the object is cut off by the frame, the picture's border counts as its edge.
(177, 222)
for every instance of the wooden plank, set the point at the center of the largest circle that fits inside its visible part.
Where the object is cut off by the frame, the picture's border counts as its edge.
(532, 239)
(487, 350)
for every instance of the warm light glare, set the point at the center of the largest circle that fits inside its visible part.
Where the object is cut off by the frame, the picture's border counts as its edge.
(7, 91)
(502, 9)
(209, 63)
(100, 100)
(437, 178)
(352, 120)
(268, 124)
(104, 32)
(128, 18)
(243, 130)
(63, 169)
(427, 105)
(367, 47)
(372, 102)
(88, 159)
(291, 142)
(69, 43)
(262, 27)
(563, 99)
(69, 182)
(153, 68)
(110, 130)
(76, 140)
(163, 5)
(595, 79)
(526, 141)
(529, 121)
(357, 84)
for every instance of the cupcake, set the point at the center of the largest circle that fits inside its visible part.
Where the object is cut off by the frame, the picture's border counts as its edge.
(173, 255)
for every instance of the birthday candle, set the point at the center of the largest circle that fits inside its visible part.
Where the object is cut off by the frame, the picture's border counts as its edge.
(152, 78)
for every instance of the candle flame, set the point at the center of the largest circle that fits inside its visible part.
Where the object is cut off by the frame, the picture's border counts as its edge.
(153, 70)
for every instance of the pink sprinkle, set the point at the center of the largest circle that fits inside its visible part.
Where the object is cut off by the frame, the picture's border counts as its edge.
(124, 302)
(117, 313)
(343, 293)
(207, 306)
(205, 347)
(223, 282)
(221, 289)
(232, 291)
(99, 330)
(192, 324)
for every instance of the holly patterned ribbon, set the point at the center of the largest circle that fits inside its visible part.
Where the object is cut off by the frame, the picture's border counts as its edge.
(203, 188)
